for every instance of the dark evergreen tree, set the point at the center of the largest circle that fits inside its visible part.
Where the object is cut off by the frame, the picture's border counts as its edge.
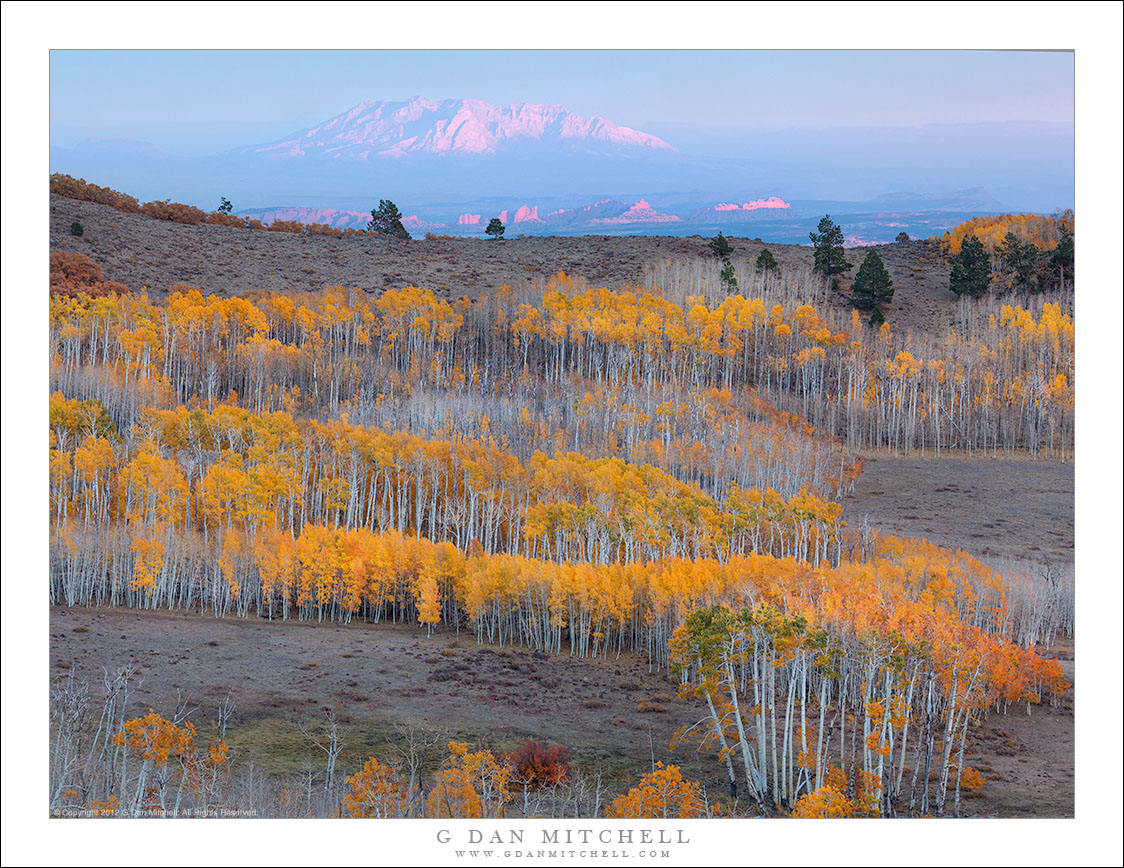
(902, 237)
(495, 228)
(1020, 258)
(387, 220)
(720, 246)
(729, 279)
(224, 206)
(872, 287)
(766, 261)
(827, 242)
(1059, 263)
(971, 269)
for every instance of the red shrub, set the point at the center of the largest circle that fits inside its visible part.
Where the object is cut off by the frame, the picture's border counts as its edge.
(539, 764)
(74, 273)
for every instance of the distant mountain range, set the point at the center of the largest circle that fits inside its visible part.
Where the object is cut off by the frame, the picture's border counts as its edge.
(875, 221)
(453, 164)
(454, 127)
(527, 219)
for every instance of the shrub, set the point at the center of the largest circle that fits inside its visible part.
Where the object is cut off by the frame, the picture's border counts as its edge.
(77, 188)
(76, 229)
(539, 764)
(75, 274)
(176, 212)
(219, 218)
(290, 226)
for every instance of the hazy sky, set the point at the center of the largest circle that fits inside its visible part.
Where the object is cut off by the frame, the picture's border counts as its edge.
(195, 102)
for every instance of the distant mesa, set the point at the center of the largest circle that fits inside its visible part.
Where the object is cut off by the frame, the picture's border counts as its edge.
(328, 216)
(416, 224)
(608, 216)
(771, 202)
(605, 212)
(641, 212)
(527, 214)
(384, 129)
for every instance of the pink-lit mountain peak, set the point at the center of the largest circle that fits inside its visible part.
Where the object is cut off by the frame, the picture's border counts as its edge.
(455, 126)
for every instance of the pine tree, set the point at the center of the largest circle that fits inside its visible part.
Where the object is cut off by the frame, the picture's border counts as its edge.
(495, 229)
(1060, 262)
(728, 277)
(766, 261)
(720, 246)
(1021, 258)
(971, 269)
(872, 287)
(828, 243)
(387, 220)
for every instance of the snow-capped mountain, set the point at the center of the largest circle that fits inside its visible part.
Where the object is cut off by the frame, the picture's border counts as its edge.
(459, 127)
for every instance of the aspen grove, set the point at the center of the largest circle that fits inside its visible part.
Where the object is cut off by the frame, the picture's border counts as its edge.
(577, 470)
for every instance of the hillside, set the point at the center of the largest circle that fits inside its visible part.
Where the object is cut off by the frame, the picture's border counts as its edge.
(376, 522)
(140, 251)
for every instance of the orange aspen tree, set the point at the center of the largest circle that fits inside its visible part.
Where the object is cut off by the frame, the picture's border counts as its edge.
(663, 794)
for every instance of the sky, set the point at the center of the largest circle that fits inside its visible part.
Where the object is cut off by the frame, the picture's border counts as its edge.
(816, 124)
(199, 102)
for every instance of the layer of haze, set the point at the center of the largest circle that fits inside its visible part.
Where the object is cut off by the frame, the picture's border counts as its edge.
(832, 124)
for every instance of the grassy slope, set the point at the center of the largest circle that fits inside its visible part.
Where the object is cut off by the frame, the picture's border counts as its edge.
(142, 252)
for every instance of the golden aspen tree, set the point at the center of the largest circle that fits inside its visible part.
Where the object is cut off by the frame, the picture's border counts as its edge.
(376, 791)
(429, 601)
(663, 794)
(471, 784)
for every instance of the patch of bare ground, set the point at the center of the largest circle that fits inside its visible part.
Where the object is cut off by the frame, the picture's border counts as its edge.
(990, 507)
(143, 252)
(1006, 511)
(284, 676)
(1026, 758)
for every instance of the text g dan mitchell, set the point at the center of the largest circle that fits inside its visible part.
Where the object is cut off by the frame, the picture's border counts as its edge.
(563, 836)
